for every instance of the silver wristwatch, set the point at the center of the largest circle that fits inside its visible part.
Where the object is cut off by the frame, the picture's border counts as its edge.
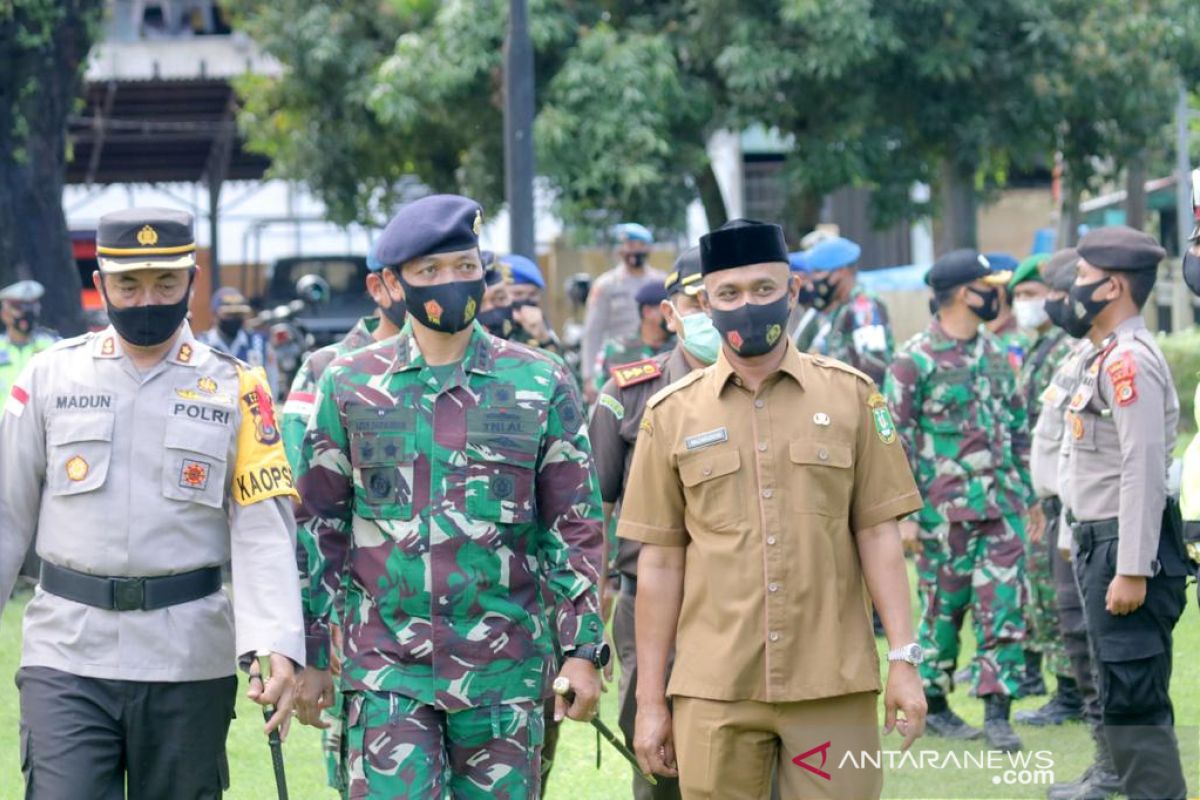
(912, 653)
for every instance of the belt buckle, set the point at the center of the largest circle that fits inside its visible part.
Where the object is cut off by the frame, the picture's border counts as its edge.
(129, 594)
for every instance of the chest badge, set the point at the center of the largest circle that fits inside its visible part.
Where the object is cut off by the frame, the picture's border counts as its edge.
(821, 418)
(194, 474)
(77, 469)
(1076, 426)
(706, 439)
(207, 385)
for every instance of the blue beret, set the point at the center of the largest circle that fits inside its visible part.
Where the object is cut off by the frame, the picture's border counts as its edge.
(651, 294)
(1002, 262)
(524, 270)
(631, 231)
(373, 262)
(798, 261)
(832, 253)
(439, 223)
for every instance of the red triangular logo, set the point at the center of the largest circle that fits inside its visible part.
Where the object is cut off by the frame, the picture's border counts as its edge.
(823, 749)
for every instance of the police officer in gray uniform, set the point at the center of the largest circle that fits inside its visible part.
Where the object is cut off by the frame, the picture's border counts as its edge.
(1129, 560)
(145, 461)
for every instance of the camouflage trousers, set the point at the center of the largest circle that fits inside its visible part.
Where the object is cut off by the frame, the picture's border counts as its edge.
(977, 566)
(399, 747)
(332, 740)
(1042, 618)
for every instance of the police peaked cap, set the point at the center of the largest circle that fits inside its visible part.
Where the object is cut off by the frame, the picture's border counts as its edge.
(741, 242)
(1120, 248)
(145, 238)
(439, 223)
(23, 292)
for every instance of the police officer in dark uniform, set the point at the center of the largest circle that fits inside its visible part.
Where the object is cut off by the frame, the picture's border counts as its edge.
(1129, 557)
(613, 432)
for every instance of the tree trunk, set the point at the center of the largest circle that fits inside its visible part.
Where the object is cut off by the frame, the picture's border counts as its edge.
(1069, 218)
(959, 219)
(1135, 193)
(711, 197)
(801, 213)
(43, 49)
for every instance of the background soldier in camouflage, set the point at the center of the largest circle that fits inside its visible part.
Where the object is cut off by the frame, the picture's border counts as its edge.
(959, 411)
(651, 339)
(1048, 347)
(1013, 340)
(447, 480)
(297, 412)
(852, 325)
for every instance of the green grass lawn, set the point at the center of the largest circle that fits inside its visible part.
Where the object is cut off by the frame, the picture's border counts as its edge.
(575, 776)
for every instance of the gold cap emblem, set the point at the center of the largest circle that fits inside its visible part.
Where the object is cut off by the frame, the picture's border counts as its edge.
(477, 227)
(147, 236)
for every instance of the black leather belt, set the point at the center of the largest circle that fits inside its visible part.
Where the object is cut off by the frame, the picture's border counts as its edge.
(1090, 534)
(130, 594)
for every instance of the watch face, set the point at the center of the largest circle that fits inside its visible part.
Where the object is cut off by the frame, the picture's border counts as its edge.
(914, 655)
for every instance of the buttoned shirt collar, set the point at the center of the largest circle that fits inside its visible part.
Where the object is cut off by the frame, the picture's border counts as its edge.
(792, 365)
(478, 357)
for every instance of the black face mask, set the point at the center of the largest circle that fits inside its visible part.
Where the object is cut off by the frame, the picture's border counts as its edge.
(1083, 308)
(498, 321)
(636, 259)
(823, 290)
(1059, 312)
(395, 313)
(991, 304)
(806, 297)
(1191, 271)
(148, 326)
(752, 330)
(230, 327)
(26, 322)
(446, 307)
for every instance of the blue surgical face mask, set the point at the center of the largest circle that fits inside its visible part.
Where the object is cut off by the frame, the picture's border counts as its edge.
(700, 337)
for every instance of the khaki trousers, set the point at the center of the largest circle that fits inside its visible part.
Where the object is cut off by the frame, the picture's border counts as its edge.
(727, 750)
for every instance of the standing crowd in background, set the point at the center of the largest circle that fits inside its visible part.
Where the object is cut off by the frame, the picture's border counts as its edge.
(431, 541)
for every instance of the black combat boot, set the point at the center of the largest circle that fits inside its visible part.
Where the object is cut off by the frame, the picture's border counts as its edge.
(1065, 706)
(1032, 684)
(996, 728)
(941, 721)
(1098, 782)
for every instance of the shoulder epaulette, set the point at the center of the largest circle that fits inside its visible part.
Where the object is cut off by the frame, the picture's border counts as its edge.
(682, 383)
(635, 372)
(74, 341)
(833, 363)
(230, 357)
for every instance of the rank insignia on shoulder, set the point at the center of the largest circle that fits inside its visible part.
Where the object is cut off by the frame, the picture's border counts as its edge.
(1123, 374)
(109, 346)
(626, 375)
(185, 354)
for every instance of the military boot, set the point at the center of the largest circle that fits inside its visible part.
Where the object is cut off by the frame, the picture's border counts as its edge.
(1065, 706)
(1098, 782)
(1031, 683)
(996, 727)
(941, 721)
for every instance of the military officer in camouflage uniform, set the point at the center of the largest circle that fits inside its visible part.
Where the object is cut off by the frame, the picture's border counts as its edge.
(1129, 555)
(1005, 327)
(852, 325)
(145, 460)
(516, 285)
(447, 480)
(297, 411)
(960, 413)
(652, 338)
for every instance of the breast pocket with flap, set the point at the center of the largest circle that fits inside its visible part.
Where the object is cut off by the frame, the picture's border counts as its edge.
(78, 452)
(821, 479)
(195, 461)
(710, 486)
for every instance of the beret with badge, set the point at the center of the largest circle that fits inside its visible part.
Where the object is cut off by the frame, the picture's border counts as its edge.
(523, 270)
(960, 267)
(633, 232)
(650, 293)
(145, 238)
(439, 223)
(1120, 248)
(1027, 270)
(740, 243)
(685, 277)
